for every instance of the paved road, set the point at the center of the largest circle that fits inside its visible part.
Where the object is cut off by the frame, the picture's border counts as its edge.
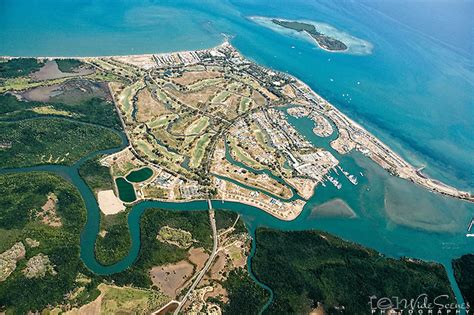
(208, 263)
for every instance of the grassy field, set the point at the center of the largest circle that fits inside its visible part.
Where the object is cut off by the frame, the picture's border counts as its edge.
(204, 83)
(242, 157)
(244, 104)
(161, 96)
(197, 126)
(262, 138)
(148, 150)
(24, 83)
(178, 237)
(162, 121)
(199, 150)
(181, 124)
(166, 138)
(50, 110)
(51, 141)
(307, 267)
(120, 300)
(222, 96)
(125, 98)
(22, 195)
(162, 156)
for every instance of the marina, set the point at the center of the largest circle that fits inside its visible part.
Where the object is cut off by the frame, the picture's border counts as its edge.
(334, 181)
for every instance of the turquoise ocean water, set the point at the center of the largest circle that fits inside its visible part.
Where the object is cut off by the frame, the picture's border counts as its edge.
(415, 92)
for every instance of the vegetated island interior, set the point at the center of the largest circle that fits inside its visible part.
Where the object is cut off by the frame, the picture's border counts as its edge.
(324, 41)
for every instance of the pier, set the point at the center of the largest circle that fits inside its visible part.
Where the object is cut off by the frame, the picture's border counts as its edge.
(350, 177)
(469, 229)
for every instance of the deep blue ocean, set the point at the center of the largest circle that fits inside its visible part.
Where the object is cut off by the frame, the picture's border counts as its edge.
(415, 91)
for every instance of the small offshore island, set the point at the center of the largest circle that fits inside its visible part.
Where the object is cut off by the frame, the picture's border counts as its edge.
(84, 142)
(324, 41)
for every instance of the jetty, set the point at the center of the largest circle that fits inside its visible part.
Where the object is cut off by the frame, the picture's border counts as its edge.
(470, 232)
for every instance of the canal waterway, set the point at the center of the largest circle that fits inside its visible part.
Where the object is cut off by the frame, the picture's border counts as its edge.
(420, 225)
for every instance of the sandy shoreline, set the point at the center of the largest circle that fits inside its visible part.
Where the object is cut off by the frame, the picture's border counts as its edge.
(7, 57)
(325, 49)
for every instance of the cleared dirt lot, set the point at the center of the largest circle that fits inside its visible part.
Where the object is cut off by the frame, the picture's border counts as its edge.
(109, 203)
(171, 278)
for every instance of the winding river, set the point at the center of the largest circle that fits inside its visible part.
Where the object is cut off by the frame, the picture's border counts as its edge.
(392, 216)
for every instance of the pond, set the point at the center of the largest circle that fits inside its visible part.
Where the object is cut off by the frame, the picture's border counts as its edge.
(140, 175)
(125, 190)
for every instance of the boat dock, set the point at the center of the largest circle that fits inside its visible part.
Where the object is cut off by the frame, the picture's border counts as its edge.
(350, 177)
(470, 232)
(334, 181)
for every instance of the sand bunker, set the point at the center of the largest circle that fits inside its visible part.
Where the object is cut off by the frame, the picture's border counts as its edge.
(109, 203)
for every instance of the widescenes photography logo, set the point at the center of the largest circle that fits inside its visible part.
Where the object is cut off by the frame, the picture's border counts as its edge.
(420, 305)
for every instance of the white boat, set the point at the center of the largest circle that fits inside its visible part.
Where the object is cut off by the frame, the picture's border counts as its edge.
(350, 177)
(334, 181)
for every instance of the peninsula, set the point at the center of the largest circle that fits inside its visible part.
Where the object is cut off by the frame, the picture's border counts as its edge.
(212, 124)
(179, 128)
